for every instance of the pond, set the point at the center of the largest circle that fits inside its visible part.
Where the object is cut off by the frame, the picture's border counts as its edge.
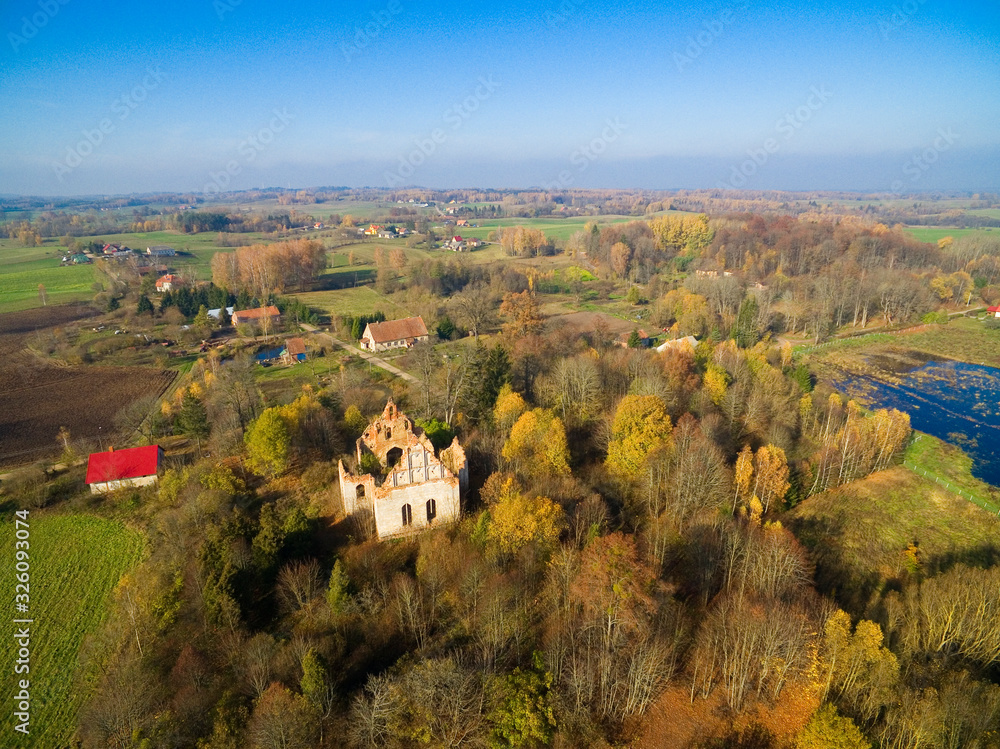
(954, 401)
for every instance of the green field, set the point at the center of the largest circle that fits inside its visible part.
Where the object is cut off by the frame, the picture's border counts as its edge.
(200, 246)
(19, 283)
(76, 561)
(554, 228)
(934, 233)
(360, 300)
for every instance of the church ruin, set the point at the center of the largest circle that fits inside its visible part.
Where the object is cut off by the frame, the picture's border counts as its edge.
(417, 488)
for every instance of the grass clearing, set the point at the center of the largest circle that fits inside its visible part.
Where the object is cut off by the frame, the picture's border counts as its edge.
(858, 534)
(934, 233)
(963, 339)
(19, 284)
(76, 563)
(360, 300)
(937, 457)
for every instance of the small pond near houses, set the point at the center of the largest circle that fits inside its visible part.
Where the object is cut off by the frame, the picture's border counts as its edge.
(954, 401)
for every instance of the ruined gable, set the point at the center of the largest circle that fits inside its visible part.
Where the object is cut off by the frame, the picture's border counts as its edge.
(417, 488)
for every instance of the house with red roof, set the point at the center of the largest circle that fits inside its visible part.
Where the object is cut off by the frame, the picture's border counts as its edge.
(391, 334)
(133, 466)
(995, 311)
(260, 314)
(294, 351)
(168, 282)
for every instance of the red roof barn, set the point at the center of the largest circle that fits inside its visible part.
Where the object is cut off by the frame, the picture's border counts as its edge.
(133, 466)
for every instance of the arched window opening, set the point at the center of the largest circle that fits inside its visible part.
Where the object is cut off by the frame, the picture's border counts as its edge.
(360, 491)
(432, 509)
(392, 457)
(407, 515)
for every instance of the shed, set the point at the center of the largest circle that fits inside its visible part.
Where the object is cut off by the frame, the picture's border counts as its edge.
(114, 469)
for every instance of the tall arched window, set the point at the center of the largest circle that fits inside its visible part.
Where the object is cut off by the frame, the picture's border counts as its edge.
(407, 515)
(361, 491)
(432, 509)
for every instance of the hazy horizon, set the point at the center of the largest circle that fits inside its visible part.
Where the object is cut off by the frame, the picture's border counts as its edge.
(236, 94)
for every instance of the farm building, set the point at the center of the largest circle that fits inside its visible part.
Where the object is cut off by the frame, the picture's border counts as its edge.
(271, 313)
(160, 250)
(995, 311)
(294, 351)
(644, 340)
(114, 469)
(382, 336)
(216, 314)
(687, 342)
(80, 259)
(168, 282)
(421, 488)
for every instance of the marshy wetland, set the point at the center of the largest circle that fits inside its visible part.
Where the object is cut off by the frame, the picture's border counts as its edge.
(952, 400)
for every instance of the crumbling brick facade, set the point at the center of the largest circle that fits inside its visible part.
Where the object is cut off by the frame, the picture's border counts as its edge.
(421, 489)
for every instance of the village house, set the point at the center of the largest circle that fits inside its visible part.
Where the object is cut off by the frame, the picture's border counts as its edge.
(160, 250)
(420, 489)
(294, 351)
(995, 311)
(373, 230)
(114, 469)
(113, 250)
(393, 334)
(168, 282)
(623, 339)
(272, 313)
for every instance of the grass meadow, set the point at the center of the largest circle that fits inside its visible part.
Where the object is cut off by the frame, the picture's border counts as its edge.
(858, 534)
(76, 563)
(934, 233)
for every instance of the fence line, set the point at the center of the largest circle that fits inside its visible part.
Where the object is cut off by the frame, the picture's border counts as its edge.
(965, 494)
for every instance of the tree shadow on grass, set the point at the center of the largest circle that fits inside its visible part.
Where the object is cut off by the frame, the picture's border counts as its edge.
(852, 588)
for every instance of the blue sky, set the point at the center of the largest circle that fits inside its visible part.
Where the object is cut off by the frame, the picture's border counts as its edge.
(124, 97)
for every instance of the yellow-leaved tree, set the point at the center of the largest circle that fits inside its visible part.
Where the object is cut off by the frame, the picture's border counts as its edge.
(829, 730)
(641, 425)
(517, 520)
(537, 444)
(508, 409)
(761, 479)
(716, 381)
